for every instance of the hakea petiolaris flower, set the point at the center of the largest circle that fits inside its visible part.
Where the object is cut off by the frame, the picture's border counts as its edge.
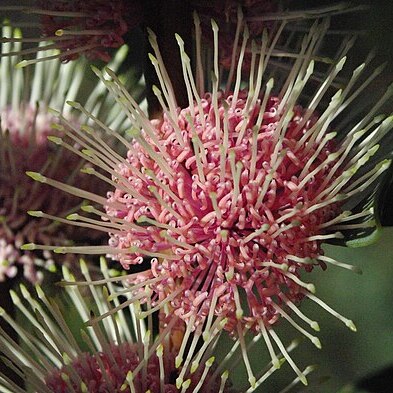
(26, 125)
(232, 197)
(118, 354)
(91, 28)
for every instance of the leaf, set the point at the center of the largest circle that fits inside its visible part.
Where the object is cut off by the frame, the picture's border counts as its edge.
(384, 199)
(380, 382)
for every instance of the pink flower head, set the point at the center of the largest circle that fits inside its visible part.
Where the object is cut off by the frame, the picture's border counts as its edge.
(231, 203)
(233, 196)
(25, 126)
(122, 358)
(26, 147)
(71, 28)
(88, 27)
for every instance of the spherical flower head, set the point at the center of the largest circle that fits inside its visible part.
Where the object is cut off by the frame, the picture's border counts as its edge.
(24, 138)
(90, 27)
(232, 196)
(233, 207)
(31, 141)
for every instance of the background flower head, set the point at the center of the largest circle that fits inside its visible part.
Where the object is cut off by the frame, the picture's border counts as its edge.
(229, 19)
(26, 124)
(90, 28)
(120, 353)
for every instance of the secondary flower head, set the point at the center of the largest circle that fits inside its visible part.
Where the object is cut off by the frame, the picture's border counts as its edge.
(26, 123)
(24, 134)
(233, 196)
(259, 15)
(89, 28)
(117, 354)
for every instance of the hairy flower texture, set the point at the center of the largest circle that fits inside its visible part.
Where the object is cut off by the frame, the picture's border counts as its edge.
(26, 124)
(87, 28)
(118, 354)
(233, 196)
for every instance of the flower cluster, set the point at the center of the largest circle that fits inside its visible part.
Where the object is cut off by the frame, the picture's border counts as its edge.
(219, 209)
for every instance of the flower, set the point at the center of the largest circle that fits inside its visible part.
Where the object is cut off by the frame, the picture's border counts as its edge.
(26, 125)
(233, 196)
(90, 28)
(118, 354)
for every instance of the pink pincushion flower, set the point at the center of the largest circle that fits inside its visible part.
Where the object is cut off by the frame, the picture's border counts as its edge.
(232, 207)
(118, 362)
(88, 27)
(72, 28)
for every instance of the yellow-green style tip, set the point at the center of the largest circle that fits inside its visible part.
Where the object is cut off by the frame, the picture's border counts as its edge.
(36, 176)
(351, 325)
(35, 213)
(28, 247)
(22, 64)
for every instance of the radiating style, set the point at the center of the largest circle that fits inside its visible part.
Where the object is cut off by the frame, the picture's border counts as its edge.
(226, 15)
